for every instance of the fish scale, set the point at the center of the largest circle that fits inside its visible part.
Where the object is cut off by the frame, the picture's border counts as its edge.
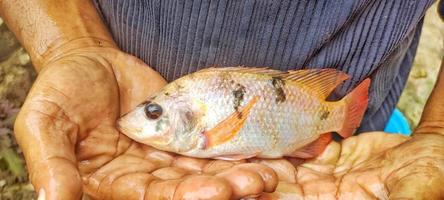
(276, 126)
(236, 113)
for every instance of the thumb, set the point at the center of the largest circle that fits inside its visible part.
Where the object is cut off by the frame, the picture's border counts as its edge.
(47, 139)
(136, 80)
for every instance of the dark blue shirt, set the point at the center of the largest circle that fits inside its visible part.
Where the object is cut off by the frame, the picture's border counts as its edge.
(364, 38)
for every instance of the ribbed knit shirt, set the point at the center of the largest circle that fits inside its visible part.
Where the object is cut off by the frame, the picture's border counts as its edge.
(363, 38)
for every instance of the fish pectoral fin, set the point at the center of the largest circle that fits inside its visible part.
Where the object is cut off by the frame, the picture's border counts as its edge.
(313, 149)
(235, 157)
(230, 126)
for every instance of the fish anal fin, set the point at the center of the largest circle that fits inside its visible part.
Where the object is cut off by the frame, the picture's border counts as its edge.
(320, 81)
(313, 149)
(230, 126)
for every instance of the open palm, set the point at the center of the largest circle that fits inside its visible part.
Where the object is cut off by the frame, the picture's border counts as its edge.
(66, 129)
(373, 165)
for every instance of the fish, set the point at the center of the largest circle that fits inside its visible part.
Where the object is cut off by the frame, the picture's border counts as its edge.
(234, 113)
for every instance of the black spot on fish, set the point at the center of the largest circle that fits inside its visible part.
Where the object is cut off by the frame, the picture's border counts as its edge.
(178, 86)
(278, 83)
(189, 120)
(238, 93)
(167, 94)
(324, 115)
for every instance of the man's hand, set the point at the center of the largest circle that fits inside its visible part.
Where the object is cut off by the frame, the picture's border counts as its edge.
(368, 166)
(373, 165)
(66, 129)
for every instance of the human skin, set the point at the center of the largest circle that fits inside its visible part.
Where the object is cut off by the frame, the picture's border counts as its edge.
(66, 129)
(374, 165)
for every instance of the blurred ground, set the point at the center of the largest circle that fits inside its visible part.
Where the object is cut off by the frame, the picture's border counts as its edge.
(17, 75)
(425, 68)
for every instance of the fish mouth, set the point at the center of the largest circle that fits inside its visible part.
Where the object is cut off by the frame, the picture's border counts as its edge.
(125, 130)
(119, 127)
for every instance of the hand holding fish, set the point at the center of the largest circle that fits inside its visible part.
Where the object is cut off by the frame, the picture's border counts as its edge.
(67, 131)
(373, 165)
(72, 147)
(367, 166)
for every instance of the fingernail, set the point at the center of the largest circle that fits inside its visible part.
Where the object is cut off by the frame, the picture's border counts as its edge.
(42, 194)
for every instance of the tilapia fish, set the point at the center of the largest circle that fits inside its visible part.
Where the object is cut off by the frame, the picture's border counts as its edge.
(237, 112)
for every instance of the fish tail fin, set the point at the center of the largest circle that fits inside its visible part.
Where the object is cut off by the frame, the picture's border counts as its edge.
(355, 105)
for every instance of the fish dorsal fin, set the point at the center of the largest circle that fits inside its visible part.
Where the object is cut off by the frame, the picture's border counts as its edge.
(243, 69)
(321, 81)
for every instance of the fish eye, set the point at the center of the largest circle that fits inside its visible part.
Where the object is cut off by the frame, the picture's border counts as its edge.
(153, 111)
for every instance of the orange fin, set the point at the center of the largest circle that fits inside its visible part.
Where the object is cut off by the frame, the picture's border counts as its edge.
(236, 156)
(229, 127)
(321, 81)
(313, 149)
(356, 103)
(243, 69)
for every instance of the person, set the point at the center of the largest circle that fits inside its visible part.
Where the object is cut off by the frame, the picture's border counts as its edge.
(66, 127)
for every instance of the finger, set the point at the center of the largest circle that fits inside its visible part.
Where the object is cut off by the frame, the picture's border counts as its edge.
(249, 179)
(48, 145)
(311, 180)
(364, 184)
(136, 80)
(134, 186)
(130, 186)
(283, 168)
(216, 166)
(102, 181)
(160, 189)
(326, 162)
(161, 158)
(203, 187)
(168, 173)
(284, 190)
(190, 164)
(267, 174)
(243, 182)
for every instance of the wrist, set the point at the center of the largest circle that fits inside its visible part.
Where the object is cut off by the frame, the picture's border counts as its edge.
(431, 119)
(61, 47)
(430, 127)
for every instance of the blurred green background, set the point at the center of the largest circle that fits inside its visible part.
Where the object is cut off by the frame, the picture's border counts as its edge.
(17, 75)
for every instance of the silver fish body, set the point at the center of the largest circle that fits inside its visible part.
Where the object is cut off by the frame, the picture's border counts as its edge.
(287, 113)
